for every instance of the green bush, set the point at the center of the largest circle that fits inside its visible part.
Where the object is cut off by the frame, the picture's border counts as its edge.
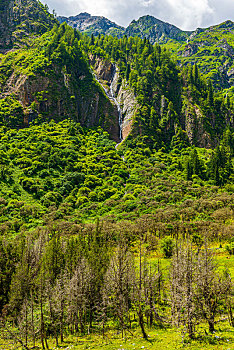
(230, 248)
(167, 246)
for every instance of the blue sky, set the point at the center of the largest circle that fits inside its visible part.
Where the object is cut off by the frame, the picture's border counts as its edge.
(185, 14)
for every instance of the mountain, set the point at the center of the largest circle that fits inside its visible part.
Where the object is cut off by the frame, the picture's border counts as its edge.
(155, 31)
(19, 20)
(95, 25)
(50, 77)
(145, 27)
(212, 49)
(46, 76)
(112, 155)
(215, 45)
(161, 102)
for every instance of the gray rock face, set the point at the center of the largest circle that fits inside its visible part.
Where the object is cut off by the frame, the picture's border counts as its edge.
(84, 22)
(155, 30)
(109, 76)
(145, 27)
(194, 127)
(129, 105)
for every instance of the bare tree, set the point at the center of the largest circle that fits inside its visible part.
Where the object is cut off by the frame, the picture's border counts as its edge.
(212, 288)
(78, 291)
(183, 289)
(118, 283)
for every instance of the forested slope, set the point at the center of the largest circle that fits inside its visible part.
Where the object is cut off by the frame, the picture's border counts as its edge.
(102, 231)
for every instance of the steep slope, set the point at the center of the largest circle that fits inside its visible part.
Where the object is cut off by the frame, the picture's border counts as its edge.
(95, 25)
(147, 27)
(155, 31)
(213, 51)
(162, 104)
(21, 19)
(51, 79)
(210, 48)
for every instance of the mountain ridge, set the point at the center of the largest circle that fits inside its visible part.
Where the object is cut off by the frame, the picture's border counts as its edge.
(55, 78)
(92, 24)
(214, 44)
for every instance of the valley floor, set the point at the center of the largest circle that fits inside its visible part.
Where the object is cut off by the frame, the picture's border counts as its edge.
(159, 339)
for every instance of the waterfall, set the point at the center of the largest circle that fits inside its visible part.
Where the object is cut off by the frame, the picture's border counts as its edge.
(111, 95)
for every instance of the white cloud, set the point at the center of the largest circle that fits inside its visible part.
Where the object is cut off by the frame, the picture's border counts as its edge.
(186, 14)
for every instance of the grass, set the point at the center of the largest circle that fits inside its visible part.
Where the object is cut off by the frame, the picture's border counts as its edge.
(159, 339)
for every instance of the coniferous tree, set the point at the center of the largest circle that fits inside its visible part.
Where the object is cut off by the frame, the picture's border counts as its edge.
(210, 97)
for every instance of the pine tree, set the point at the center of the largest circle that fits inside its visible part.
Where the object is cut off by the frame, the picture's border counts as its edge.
(127, 72)
(210, 96)
(92, 40)
(196, 75)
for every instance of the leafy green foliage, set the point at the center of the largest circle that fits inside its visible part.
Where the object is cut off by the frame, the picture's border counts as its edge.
(166, 95)
(167, 246)
(212, 50)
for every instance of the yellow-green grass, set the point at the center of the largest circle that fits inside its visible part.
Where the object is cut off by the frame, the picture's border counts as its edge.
(159, 339)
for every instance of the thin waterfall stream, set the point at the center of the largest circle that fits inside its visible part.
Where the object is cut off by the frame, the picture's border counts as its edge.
(111, 95)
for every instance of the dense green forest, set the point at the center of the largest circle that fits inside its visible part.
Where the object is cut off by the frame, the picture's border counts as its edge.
(116, 196)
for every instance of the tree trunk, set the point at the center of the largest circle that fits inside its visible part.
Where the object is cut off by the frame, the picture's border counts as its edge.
(230, 314)
(211, 325)
(32, 319)
(26, 322)
(141, 323)
(42, 325)
(61, 322)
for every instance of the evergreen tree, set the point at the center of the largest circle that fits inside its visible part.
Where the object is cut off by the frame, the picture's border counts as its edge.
(127, 73)
(210, 97)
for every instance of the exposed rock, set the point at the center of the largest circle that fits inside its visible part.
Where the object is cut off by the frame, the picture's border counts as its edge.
(19, 19)
(96, 25)
(194, 127)
(190, 49)
(103, 68)
(58, 98)
(108, 75)
(155, 30)
(145, 27)
(129, 105)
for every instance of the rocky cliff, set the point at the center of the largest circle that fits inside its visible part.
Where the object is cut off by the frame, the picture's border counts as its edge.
(155, 30)
(212, 49)
(95, 25)
(108, 76)
(145, 27)
(52, 79)
(21, 19)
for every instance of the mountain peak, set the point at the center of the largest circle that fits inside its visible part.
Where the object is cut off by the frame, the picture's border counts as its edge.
(84, 22)
(155, 30)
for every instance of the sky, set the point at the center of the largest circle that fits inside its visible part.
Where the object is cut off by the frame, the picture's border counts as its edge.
(185, 14)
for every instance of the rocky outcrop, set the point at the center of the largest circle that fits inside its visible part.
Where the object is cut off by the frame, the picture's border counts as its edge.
(103, 68)
(129, 106)
(145, 27)
(95, 25)
(21, 18)
(206, 46)
(195, 129)
(58, 96)
(108, 76)
(189, 50)
(155, 30)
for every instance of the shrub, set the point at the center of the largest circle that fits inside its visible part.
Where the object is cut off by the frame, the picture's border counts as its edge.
(167, 246)
(230, 248)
